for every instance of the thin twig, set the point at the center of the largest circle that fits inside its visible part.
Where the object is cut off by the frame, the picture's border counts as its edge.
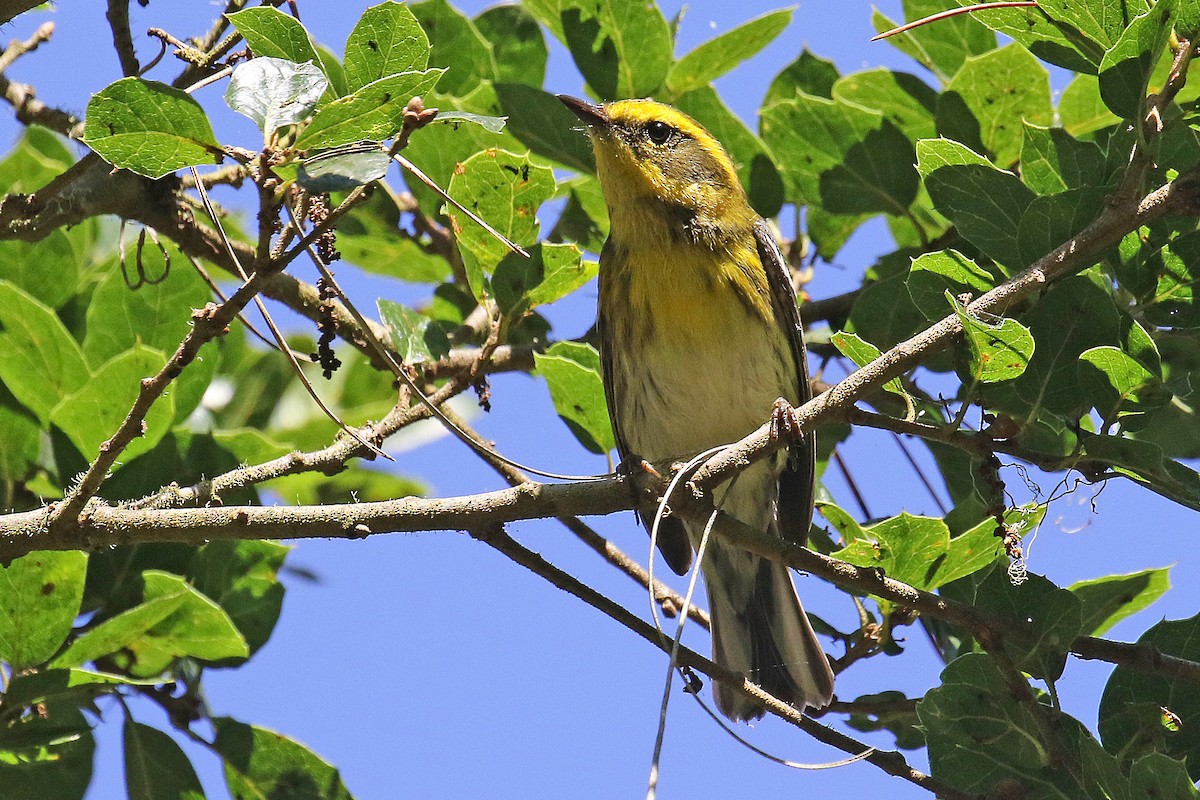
(263, 266)
(327, 460)
(891, 762)
(954, 12)
(432, 184)
(666, 597)
(118, 21)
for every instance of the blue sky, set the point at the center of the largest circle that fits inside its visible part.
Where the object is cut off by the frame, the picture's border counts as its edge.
(430, 666)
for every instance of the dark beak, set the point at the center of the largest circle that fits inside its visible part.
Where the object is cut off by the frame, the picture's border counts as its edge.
(591, 113)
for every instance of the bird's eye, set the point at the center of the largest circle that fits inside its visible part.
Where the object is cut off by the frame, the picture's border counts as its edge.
(658, 132)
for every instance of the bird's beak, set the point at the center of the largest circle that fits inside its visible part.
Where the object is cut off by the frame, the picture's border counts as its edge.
(592, 114)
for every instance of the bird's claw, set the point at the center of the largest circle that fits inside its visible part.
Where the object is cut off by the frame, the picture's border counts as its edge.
(785, 422)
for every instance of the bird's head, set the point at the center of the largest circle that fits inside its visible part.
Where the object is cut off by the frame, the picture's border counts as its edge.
(647, 151)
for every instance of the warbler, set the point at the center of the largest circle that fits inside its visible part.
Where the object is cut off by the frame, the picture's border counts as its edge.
(700, 344)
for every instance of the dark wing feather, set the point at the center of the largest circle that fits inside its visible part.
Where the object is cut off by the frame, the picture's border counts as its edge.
(797, 481)
(673, 541)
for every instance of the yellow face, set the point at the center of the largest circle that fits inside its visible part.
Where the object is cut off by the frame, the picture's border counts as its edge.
(650, 150)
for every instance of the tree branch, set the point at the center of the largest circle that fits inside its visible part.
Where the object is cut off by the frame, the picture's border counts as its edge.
(118, 21)
(890, 761)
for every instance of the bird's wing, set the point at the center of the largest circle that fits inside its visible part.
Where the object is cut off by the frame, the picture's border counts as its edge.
(797, 481)
(673, 540)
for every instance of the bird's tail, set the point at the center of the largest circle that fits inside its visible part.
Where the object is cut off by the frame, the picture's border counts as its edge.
(760, 629)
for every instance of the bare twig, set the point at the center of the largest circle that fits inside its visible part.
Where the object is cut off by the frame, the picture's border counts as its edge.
(23, 97)
(954, 12)
(667, 598)
(890, 762)
(264, 264)
(118, 21)
(328, 460)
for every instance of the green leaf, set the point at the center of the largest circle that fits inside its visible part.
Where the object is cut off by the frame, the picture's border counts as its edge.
(584, 220)
(367, 238)
(38, 157)
(1081, 110)
(156, 767)
(884, 314)
(1120, 382)
(1046, 620)
(807, 75)
(846, 526)
(76, 687)
(455, 45)
(20, 440)
(490, 124)
(1074, 316)
(374, 112)
(1144, 463)
(1101, 21)
(342, 169)
(572, 371)
(1047, 39)
(1164, 277)
(117, 633)
(1132, 703)
(977, 547)
(67, 254)
(386, 40)
(984, 104)
(270, 32)
(906, 547)
(198, 628)
(505, 190)
(1000, 351)
(830, 232)
(354, 484)
(1129, 62)
(275, 92)
(243, 579)
(981, 737)
(941, 48)
(40, 595)
(92, 414)
(41, 363)
(547, 13)
(545, 126)
(333, 71)
(934, 274)
(861, 352)
(622, 47)
(416, 337)
(1108, 600)
(845, 158)
(902, 725)
(157, 315)
(47, 755)
(985, 203)
(518, 46)
(552, 272)
(755, 167)
(1050, 220)
(149, 128)
(1164, 778)
(260, 763)
(722, 53)
(904, 100)
(1053, 161)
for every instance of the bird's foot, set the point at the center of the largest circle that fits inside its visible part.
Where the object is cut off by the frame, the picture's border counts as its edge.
(785, 422)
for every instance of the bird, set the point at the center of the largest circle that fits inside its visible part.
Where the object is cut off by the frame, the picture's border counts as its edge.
(700, 343)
